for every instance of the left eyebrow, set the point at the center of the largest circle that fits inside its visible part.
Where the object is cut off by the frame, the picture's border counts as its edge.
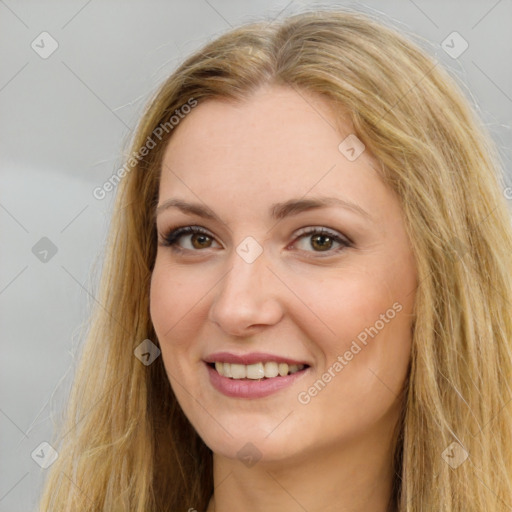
(278, 211)
(296, 206)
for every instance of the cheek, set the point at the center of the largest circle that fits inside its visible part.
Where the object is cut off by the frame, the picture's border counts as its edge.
(163, 306)
(364, 364)
(363, 316)
(165, 316)
(175, 301)
(174, 311)
(339, 307)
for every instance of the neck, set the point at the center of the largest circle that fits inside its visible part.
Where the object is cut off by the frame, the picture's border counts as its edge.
(355, 477)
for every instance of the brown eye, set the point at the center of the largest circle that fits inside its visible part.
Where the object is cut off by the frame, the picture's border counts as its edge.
(198, 239)
(321, 240)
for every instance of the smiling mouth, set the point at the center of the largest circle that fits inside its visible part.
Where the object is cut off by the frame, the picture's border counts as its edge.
(257, 371)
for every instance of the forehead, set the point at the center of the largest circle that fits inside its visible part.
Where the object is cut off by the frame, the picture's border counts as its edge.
(278, 142)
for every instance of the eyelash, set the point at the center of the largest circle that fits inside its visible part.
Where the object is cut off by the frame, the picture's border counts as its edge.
(172, 236)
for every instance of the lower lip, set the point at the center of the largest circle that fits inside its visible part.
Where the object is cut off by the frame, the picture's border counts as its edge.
(239, 388)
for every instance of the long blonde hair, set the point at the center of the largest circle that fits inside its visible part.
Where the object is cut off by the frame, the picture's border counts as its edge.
(125, 444)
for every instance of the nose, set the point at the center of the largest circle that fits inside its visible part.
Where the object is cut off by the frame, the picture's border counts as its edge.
(247, 297)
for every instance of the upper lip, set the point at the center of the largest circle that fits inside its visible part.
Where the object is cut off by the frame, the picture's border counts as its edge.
(251, 358)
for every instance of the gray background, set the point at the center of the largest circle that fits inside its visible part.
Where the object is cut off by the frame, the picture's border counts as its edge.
(64, 122)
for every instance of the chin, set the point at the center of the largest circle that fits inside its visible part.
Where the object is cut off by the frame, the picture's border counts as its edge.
(251, 445)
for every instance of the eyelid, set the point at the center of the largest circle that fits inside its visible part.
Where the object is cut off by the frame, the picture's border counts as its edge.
(173, 234)
(338, 238)
(326, 231)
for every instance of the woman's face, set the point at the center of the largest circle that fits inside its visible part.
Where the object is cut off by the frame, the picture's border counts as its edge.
(302, 257)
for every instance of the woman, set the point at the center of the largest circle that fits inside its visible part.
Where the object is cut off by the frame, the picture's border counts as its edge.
(306, 301)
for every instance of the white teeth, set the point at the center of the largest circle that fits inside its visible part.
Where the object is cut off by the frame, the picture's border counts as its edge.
(271, 369)
(227, 369)
(238, 371)
(256, 371)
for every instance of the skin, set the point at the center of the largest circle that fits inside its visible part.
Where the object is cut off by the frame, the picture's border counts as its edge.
(333, 453)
